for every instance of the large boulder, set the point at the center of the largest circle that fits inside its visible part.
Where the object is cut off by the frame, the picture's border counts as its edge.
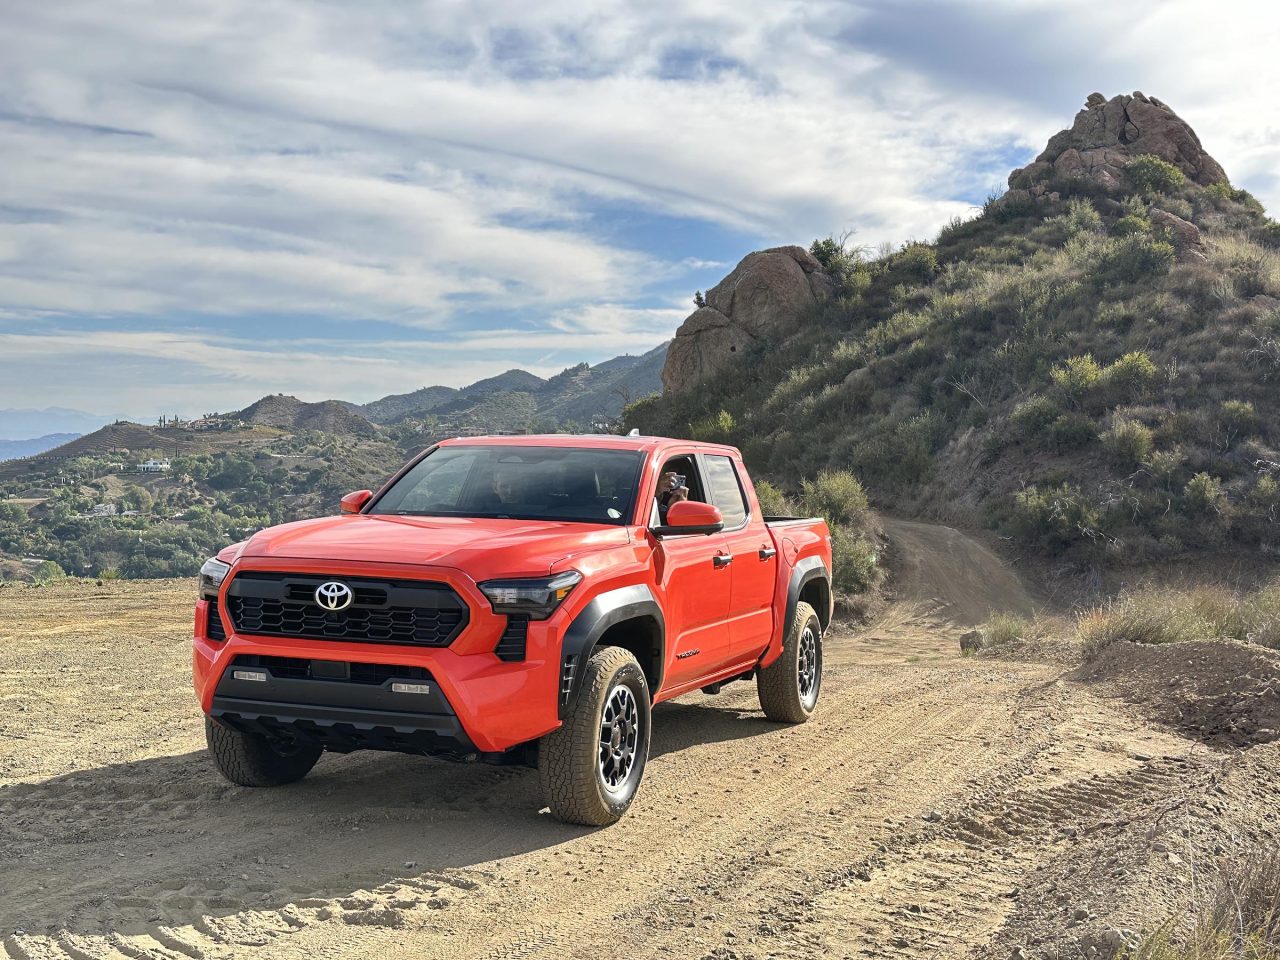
(766, 297)
(1107, 134)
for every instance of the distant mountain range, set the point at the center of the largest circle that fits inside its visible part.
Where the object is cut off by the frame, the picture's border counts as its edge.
(13, 449)
(513, 400)
(26, 424)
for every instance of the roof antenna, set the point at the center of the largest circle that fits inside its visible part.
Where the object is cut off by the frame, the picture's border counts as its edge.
(635, 432)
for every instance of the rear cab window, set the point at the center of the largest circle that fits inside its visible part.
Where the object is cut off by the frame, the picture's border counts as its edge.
(726, 491)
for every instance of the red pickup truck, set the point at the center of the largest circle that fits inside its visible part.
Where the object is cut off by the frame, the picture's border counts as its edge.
(512, 599)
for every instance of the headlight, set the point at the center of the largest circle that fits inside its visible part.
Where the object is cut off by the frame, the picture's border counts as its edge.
(211, 576)
(536, 599)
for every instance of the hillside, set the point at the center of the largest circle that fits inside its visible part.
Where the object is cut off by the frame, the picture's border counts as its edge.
(583, 397)
(290, 413)
(1088, 365)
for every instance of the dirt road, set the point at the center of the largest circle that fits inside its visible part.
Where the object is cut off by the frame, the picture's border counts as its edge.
(935, 807)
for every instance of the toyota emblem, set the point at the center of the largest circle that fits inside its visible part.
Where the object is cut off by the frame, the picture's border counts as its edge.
(334, 596)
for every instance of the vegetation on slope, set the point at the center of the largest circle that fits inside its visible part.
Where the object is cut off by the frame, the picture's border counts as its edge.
(1068, 371)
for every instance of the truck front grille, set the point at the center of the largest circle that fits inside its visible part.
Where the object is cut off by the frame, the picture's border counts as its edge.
(413, 612)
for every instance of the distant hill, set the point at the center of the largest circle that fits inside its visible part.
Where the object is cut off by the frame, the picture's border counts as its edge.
(578, 396)
(13, 449)
(290, 413)
(398, 404)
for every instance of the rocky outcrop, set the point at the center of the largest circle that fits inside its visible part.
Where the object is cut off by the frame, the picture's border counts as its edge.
(1106, 135)
(1184, 235)
(766, 297)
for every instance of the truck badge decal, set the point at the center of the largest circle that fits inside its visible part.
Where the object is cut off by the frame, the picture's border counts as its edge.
(334, 596)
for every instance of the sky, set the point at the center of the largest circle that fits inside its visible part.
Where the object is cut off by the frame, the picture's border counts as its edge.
(201, 203)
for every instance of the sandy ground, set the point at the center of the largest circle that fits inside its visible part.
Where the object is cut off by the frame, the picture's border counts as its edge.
(935, 807)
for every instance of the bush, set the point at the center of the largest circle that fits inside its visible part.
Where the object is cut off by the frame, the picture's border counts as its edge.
(1004, 628)
(1077, 377)
(1165, 467)
(836, 495)
(773, 502)
(854, 559)
(1055, 518)
(1204, 496)
(1149, 174)
(47, 571)
(1071, 431)
(715, 429)
(1128, 443)
(915, 261)
(1032, 417)
(1238, 420)
(1131, 259)
(1132, 376)
(1130, 224)
(1081, 217)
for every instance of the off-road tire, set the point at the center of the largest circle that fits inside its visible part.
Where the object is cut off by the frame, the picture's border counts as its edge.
(253, 761)
(569, 759)
(779, 684)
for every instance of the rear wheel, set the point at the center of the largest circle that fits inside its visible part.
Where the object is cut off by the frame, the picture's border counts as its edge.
(255, 761)
(789, 686)
(591, 767)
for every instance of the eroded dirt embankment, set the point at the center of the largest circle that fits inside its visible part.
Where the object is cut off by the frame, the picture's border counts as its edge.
(936, 807)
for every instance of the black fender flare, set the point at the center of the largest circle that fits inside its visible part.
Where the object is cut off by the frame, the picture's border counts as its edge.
(607, 610)
(805, 572)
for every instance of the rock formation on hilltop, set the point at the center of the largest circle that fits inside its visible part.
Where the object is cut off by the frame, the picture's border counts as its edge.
(766, 297)
(1106, 135)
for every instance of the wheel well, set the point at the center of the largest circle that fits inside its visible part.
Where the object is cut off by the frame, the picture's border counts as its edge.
(643, 637)
(817, 593)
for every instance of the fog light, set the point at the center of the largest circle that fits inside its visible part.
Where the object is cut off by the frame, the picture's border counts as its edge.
(397, 687)
(258, 675)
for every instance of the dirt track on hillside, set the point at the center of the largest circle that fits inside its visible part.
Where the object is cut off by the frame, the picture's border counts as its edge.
(934, 807)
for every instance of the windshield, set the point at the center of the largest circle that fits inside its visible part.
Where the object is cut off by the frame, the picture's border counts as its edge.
(518, 482)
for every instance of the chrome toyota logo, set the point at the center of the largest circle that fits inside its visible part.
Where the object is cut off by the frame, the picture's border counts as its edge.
(334, 596)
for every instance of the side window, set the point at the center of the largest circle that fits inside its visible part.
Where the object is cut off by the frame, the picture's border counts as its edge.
(686, 467)
(726, 492)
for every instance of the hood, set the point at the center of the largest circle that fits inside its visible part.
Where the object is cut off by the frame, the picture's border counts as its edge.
(483, 548)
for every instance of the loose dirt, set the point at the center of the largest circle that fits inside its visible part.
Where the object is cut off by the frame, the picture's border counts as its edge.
(934, 807)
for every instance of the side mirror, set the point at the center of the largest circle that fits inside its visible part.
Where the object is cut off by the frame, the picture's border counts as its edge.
(355, 502)
(691, 517)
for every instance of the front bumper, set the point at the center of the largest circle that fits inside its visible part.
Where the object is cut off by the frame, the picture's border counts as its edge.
(478, 702)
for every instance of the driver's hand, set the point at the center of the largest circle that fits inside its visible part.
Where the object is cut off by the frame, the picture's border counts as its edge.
(678, 494)
(666, 480)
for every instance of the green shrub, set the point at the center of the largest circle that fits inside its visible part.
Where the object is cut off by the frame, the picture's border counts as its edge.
(1077, 378)
(1081, 217)
(1265, 497)
(1032, 417)
(773, 502)
(1128, 443)
(1238, 420)
(47, 571)
(714, 429)
(1149, 174)
(854, 559)
(1165, 467)
(1055, 517)
(915, 261)
(836, 495)
(1204, 496)
(1130, 224)
(1131, 259)
(1132, 376)
(1071, 431)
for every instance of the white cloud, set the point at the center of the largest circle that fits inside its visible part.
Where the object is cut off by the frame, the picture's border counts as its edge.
(450, 167)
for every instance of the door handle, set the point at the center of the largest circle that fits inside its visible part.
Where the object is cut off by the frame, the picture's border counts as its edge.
(722, 560)
(768, 553)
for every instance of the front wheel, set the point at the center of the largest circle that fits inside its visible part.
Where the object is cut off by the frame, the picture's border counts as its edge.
(591, 767)
(789, 686)
(252, 760)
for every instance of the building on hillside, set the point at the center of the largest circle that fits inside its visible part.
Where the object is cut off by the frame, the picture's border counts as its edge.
(101, 510)
(210, 423)
(155, 466)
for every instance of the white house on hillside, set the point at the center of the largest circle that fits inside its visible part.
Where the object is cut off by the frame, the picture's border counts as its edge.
(154, 466)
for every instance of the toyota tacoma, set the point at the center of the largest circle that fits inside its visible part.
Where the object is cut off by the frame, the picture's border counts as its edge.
(512, 599)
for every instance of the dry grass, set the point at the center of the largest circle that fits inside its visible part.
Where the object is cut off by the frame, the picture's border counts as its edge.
(1172, 615)
(1240, 922)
